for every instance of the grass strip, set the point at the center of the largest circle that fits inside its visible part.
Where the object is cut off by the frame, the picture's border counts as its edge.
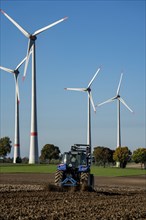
(51, 168)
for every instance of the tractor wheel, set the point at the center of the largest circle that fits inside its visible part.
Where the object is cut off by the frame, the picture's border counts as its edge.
(87, 181)
(84, 178)
(58, 177)
(91, 181)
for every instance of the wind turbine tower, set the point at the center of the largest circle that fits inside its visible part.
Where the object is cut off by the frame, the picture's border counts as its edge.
(17, 132)
(90, 101)
(33, 154)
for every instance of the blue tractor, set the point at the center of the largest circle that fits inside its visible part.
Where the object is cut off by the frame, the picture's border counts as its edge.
(74, 169)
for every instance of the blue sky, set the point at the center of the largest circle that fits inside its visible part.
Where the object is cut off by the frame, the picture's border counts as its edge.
(108, 33)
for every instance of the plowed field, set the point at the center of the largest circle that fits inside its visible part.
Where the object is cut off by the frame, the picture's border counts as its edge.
(27, 196)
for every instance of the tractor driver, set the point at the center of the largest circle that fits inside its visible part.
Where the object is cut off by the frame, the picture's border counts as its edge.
(73, 160)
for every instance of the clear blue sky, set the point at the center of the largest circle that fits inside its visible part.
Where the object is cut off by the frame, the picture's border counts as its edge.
(108, 33)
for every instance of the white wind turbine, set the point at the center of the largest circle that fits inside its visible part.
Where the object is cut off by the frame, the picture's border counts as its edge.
(90, 101)
(119, 100)
(15, 72)
(33, 155)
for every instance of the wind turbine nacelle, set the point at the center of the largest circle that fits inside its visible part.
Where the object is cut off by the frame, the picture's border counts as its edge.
(33, 37)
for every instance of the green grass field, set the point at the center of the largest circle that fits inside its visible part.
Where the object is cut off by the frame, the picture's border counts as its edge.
(50, 168)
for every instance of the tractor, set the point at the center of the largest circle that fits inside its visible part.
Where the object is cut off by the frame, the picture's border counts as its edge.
(74, 169)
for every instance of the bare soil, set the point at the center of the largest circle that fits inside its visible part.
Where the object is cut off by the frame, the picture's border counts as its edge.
(29, 196)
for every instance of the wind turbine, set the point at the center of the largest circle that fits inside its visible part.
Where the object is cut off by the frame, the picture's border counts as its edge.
(119, 100)
(33, 155)
(16, 72)
(90, 101)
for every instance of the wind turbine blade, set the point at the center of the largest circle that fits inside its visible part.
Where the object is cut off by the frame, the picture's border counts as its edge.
(30, 43)
(48, 26)
(76, 89)
(91, 100)
(16, 24)
(6, 69)
(118, 90)
(18, 66)
(124, 103)
(107, 101)
(93, 77)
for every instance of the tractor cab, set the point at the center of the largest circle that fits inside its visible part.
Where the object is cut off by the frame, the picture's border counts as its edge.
(74, 159)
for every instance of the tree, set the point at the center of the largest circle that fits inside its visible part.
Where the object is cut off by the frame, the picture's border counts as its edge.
(5, 146)
(49, 151)
(18, 160)
(103, 155)
(122, 155)
(25, 160)
(139, 156)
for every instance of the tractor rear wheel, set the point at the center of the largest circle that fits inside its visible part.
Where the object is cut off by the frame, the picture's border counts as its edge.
(58, 177)
(87, 180)
(84, 178)
(91, 181)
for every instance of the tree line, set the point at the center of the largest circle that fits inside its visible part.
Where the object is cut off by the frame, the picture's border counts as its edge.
(103, 156)
(49, 152)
